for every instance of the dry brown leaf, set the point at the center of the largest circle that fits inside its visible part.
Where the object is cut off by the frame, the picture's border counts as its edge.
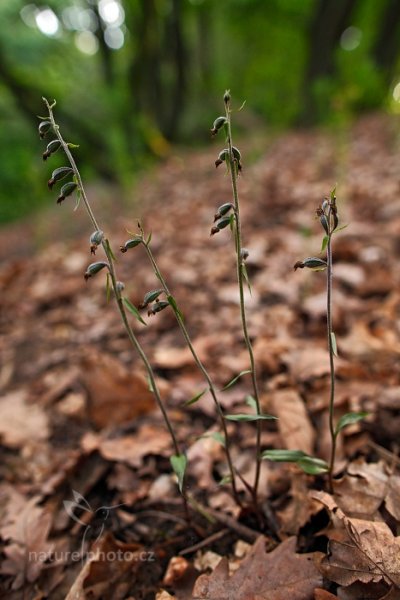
(108, 573)
(277, 575)
(27, 548)
(115, 394)
(20, 422)
(130, 449)
(294, 424)
(368, 553)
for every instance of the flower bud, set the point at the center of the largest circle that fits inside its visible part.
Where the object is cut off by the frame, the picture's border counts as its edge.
(44, 128)
(244, 254)
(227, 97)
(150, 297)
(120, 286)
(324, 223)
(222, 156)
(58, 174)
(95, 240)
(218, 123)
(94, 268)
(52, 147)
(312, 262)
(66, 190)
(223, 210)
(135, 241)
(224, 222)
(157, 307)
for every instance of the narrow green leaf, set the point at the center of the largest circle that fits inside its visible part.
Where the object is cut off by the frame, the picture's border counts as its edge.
(250, 401)
(341, 228)
(150, 385)
(283, 455)
(133, 310)
(175, 308)
(107, 243)
(195, 398)
(179, 462)
(349, 419)
(78, 198)
(234, 380)
(246, 417)
(333, 193)
(324, 244)
(71, 145)
(309, 464)
(313, 466)
(149, 239)
(333, 343)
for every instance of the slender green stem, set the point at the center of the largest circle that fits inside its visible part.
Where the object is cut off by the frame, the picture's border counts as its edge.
(201, 367)
(233, 169)
(133, 339)
(331, 357)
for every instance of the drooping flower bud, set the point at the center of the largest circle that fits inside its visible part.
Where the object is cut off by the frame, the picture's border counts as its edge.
(222, 156)
(244, 254)
(94, 268)
(221, 224)
(59, 174)
(312, 262)
(223, 210)
(66, 190)
(52, 147)
(95, 240)
(44, 128)
(218, 123)
(157, 307)
(150, 297)
(135, 241)
(120, 286)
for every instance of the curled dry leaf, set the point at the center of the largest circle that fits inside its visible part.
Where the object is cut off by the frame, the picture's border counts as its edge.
(367, 552)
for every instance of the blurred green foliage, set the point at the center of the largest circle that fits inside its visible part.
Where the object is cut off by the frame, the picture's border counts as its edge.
(133, 76)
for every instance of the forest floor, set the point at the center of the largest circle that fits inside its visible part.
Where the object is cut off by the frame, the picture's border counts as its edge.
(84, 451)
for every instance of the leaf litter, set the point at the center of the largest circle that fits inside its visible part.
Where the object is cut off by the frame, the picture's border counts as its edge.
(77, 417)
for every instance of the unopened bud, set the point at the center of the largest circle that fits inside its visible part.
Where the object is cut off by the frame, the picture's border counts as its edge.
(222, 156)
(120, 286)
(150, 297)
(312, 262)
(44, 128)
(324, 223)
(52, 147)
(244, 254)
(218, 123)
(66, 190)
(157, 307)
(223, 210)
(94, 268)
(135, 241)
(95, 240)
(227, 97)
(59, 174)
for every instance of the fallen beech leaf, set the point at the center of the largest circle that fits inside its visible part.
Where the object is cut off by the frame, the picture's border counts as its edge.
(277, 575)
(115, 394)
(293, 422)
(368, 553)
(131, 449)
(20, 422)
(28, 547)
